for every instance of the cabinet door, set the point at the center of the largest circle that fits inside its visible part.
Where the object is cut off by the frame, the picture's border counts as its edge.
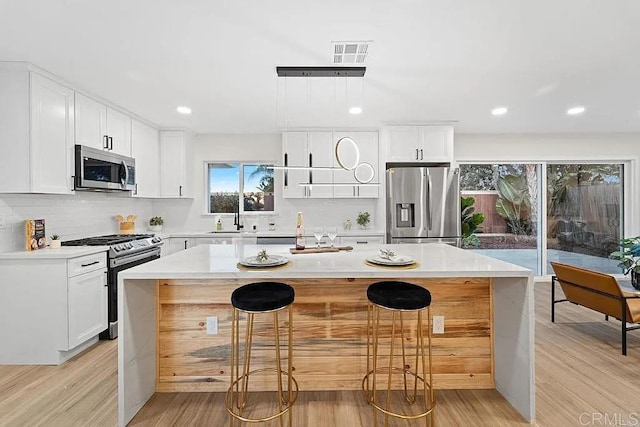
(320, 154)
(294, 153)
(91, 122)
(178, 244)
(119, 131)
(51, 136)
(172, 164)
(145, 148)
(436, 143)
(87, 295)
(368, 146)
(404, 143)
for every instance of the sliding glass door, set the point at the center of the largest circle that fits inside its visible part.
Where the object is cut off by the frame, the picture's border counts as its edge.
(505, 199)
(584, 214)
(577, 219)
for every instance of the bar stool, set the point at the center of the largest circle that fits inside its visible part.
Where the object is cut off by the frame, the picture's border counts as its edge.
(398, 297)
(260, 298)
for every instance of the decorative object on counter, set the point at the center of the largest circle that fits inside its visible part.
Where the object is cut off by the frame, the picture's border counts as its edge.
(388, 254)
(363, 219)
(35, 234)
(128, 224)
(318, 233)
(332, 233)
(262, 255)
(263, 260)
(156, 223)
(629, 257)
(410, 266)
(218, 225)
(320, 250)
(299, 232)
(55, 241)
(347, 225)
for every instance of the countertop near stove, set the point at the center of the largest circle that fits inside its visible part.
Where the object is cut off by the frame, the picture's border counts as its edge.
(65, 252)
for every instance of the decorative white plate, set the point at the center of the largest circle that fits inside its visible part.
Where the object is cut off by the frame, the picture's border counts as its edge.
(272, 261)
(397, 260)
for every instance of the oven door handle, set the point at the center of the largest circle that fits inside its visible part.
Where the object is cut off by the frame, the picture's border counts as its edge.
(117, 262)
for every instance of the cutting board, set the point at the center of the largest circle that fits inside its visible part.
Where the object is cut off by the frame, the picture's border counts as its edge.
(320, 250)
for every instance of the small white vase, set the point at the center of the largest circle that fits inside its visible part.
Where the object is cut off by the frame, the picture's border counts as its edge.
(155, 228)
(55, 244)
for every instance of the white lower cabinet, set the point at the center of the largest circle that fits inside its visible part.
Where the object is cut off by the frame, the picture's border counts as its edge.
(51, 308)
(87, 306)
(177, 244)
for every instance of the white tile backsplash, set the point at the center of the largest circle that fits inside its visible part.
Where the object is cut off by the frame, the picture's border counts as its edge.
(70, 216)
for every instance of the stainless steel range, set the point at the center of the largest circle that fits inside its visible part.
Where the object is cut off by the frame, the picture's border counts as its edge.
(125, 251)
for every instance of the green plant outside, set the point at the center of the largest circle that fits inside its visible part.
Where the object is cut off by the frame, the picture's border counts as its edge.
(470, 220)
(513, 202)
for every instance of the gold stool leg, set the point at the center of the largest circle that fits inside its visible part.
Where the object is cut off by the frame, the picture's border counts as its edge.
(290, 365)
(374, 341)
(276, 331)
(393, 336)
(234, 342)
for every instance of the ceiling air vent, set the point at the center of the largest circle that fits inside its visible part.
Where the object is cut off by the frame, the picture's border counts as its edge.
(349, 52)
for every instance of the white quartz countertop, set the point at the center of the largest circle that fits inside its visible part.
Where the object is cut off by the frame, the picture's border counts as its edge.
(220, 261)
(284, 232)
(65, 252)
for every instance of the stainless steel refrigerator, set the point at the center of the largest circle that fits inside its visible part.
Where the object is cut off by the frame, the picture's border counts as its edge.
(423, 204)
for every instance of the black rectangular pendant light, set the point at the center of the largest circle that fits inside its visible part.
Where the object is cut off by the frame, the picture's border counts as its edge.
(321, 71)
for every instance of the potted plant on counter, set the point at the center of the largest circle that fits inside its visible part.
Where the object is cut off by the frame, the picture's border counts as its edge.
(156, 223)
(628, 255)
(363, 219)
(55, 242)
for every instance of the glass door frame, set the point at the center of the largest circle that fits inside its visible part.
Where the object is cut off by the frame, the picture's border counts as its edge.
(630, 194)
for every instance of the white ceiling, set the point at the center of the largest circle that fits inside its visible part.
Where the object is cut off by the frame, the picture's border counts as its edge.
(429, 61)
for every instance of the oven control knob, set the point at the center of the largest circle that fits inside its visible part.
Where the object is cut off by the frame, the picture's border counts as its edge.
(116, 248)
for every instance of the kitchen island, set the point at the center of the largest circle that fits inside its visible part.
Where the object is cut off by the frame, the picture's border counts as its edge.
(488, 340)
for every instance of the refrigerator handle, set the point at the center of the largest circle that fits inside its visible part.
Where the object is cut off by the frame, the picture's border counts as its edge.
(429, 219)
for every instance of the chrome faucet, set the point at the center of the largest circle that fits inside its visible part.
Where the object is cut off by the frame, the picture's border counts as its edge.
(236, 220)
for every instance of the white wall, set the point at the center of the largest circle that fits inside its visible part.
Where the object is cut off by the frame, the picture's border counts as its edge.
(70, 216)
(187, 215)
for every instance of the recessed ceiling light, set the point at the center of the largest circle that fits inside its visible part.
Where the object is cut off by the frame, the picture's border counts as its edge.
(183, 110)
(499, 111)
(355, 110)
(574, 111)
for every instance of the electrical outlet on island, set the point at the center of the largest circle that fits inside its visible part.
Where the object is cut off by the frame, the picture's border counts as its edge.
(212, 325)
(438, 324)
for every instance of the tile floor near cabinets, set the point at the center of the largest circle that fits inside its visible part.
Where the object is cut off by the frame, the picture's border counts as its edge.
(580, 377)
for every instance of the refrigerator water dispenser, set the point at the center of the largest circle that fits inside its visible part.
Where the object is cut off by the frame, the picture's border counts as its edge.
(405, 215)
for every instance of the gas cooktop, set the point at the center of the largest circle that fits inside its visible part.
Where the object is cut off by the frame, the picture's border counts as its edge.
(111, 239)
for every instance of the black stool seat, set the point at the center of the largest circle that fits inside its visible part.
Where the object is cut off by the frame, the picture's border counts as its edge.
(399, 295)
(262, 296)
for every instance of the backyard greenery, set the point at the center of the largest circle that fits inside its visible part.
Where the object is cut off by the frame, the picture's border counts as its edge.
(470, 222)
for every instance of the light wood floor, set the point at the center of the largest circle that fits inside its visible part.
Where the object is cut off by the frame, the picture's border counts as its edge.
(579, 371)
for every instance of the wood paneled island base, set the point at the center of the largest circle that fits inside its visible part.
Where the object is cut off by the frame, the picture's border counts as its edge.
(330, 319)
(163, 308)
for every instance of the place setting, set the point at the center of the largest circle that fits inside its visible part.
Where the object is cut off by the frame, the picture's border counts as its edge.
(264, 261)
(387, 258)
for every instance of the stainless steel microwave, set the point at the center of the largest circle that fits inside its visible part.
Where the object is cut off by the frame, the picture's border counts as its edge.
(101, 170)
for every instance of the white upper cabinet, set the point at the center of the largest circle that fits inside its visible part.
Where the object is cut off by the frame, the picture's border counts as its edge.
(175, 177)
(367, 143)
(420, 143)
(36, 134)
(145, 148)
(305, 149)
(102, 127)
